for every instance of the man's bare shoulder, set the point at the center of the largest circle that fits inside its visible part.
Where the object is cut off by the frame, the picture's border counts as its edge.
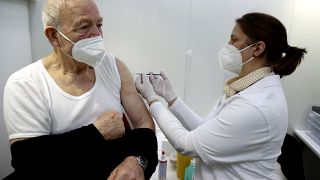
(124, 72)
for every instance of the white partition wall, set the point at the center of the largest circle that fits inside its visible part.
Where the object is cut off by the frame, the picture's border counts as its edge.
(211, 26)
(151, 35)
(40, 46)
(15, 50)
(302, 88)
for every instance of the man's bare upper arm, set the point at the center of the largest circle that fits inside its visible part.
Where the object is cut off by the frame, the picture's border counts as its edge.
(132, 103)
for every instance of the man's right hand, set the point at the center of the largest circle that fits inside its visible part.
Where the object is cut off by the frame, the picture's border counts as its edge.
(128, 169)
(110, 125)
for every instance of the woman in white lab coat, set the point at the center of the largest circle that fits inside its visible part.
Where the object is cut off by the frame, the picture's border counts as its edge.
(241, 137)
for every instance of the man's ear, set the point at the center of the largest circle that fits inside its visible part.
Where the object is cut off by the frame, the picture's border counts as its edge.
(260, 47)
(51, 34)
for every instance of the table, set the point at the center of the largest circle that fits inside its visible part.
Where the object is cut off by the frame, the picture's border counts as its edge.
(171, 173)
(314, 146)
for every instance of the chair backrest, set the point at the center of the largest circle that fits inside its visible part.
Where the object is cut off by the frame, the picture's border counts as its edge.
(291, 158)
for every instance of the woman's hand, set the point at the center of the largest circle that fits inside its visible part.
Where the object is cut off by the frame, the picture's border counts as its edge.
(162, 87)
(145, 88)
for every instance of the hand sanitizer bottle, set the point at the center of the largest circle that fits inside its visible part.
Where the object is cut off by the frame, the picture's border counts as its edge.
(190, 170)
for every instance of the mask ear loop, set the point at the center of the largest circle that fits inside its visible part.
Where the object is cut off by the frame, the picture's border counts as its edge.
(64, 36)
(253, 56)
(247, 47)
(248, 61)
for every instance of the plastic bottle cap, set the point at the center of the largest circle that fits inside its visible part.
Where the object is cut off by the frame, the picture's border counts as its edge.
(193, 162)
(163, 157)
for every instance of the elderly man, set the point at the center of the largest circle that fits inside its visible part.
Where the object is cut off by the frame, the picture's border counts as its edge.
(64, 113)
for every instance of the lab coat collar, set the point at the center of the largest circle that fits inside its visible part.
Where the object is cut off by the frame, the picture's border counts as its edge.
(268, 81)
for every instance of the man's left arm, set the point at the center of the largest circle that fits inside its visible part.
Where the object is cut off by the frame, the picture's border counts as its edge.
(134, 106)
(142, 139)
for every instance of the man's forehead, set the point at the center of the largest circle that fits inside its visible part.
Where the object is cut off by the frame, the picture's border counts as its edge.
(85, 10)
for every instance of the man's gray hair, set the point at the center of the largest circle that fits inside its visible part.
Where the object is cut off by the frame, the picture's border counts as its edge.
(51, 12)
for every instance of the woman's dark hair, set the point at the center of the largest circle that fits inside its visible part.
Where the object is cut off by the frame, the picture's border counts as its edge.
(266, 28)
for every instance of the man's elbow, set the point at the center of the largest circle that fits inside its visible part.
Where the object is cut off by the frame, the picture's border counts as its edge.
(145, 123)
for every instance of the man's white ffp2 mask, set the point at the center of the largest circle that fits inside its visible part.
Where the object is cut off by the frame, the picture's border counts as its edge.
(230, 58)
(89, 51)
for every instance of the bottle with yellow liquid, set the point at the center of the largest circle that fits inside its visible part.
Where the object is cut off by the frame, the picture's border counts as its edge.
(182, 162)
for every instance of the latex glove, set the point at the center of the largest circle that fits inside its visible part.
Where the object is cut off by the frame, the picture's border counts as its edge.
(145, 88)
(162, 87)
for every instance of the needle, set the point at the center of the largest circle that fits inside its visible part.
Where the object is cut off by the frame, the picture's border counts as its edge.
(149, 74)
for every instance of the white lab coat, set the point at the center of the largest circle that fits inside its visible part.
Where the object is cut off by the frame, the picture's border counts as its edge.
(240, 138)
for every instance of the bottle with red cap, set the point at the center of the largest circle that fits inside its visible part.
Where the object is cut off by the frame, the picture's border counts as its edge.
(162, 166)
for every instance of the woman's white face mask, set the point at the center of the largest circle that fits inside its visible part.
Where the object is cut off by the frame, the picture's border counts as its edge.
(230, 58)
(89, 51)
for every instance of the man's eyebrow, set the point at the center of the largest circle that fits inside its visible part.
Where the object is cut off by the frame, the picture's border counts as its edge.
(80, 20)
(100, 19)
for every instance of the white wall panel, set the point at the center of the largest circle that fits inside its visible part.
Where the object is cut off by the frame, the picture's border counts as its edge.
(148, 35)
(40, 45)
(302, 87)
(15, 50)
(154, 35)
(211, 26)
